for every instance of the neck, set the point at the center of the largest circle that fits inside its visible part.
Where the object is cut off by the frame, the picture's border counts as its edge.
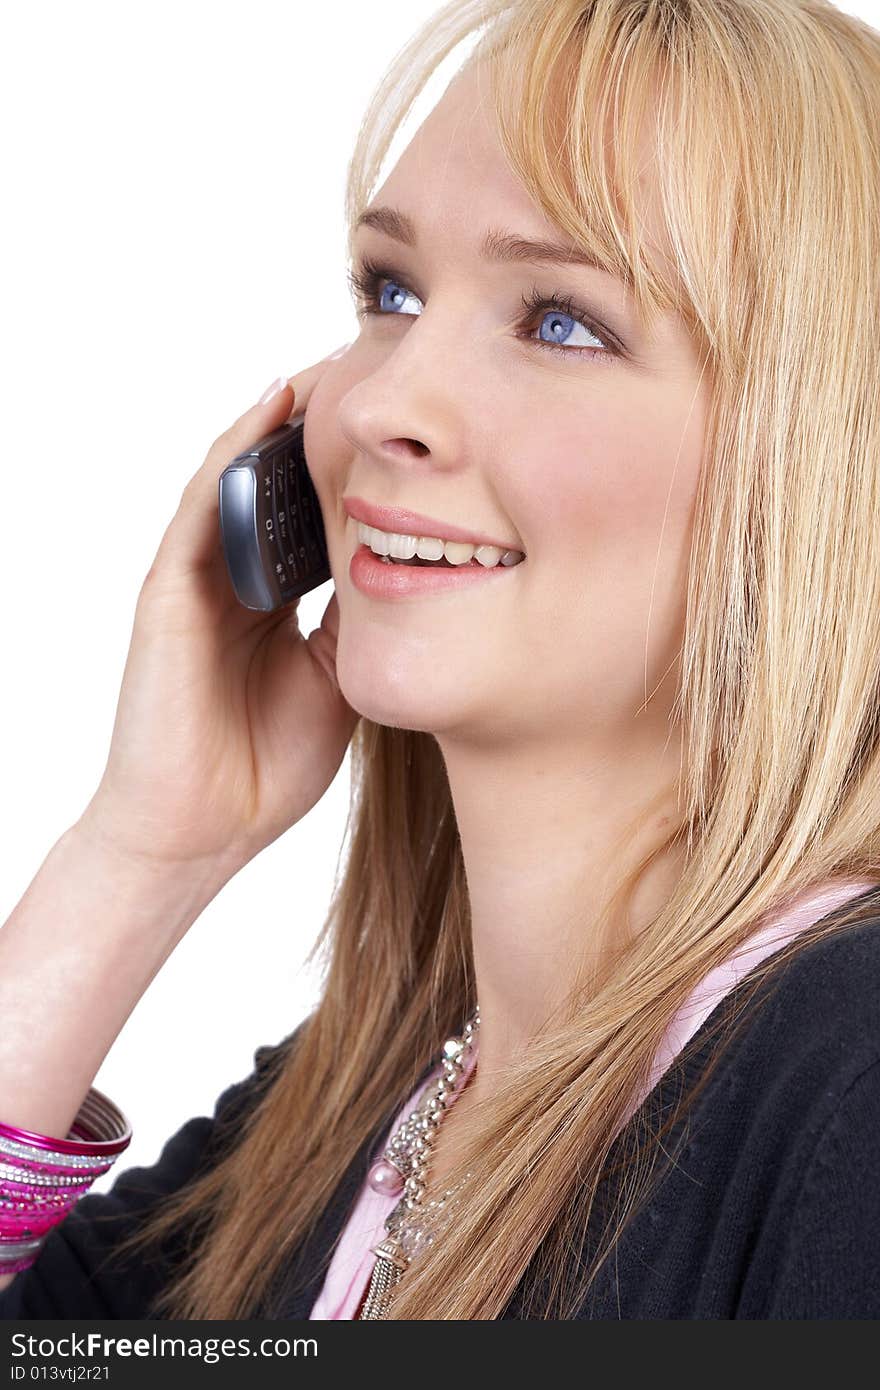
(547, 836)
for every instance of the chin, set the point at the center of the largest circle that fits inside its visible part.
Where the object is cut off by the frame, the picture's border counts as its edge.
(398, 696)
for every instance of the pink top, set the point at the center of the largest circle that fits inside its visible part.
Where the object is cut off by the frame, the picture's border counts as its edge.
(348, 1274)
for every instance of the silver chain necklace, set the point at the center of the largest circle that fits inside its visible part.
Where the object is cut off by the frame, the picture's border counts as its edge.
(404, 1168)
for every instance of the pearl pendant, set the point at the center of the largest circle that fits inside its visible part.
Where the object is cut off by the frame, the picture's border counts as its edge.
(386, 1178)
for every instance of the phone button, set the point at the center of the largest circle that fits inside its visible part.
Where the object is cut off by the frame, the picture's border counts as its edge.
(297, 552)
(280, 525)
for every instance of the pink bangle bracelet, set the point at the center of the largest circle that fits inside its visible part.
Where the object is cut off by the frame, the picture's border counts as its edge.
(42, 1178)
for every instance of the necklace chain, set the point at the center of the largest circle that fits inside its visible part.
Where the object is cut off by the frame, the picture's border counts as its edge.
(413, 1223)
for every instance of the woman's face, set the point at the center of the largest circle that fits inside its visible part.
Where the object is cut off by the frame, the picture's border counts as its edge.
(451, 404)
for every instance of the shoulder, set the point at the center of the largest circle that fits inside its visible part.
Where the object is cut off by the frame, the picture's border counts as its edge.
(788, 1046)
(830, 1267)
(844, 966)
(785, 1138)
(826, 995)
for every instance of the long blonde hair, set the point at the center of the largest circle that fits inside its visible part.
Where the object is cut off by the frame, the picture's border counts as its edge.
(768, 164)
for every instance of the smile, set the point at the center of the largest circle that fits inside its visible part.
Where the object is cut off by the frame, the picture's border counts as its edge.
(378, 576)
(396, 548)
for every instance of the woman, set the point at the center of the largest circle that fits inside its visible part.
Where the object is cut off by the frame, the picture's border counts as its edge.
(615, 832)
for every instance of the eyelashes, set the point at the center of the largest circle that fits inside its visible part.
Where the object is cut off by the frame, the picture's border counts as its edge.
(536, 303)
(366, 282)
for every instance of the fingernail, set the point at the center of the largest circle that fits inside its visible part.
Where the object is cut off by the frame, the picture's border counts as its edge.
(338, 352)
(272, 390)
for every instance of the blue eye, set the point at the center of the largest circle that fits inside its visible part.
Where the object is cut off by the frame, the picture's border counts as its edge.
(392, 297)
(559, 323)
(378, 291)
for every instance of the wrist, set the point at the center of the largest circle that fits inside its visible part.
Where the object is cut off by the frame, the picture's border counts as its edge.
(143, 887)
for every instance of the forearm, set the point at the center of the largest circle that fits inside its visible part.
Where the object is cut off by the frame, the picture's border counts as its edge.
(78, 952)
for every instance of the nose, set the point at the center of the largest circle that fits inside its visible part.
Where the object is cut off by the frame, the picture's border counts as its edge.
(403, 413)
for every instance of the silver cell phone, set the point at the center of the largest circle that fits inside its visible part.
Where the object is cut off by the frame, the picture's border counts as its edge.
(271, 525)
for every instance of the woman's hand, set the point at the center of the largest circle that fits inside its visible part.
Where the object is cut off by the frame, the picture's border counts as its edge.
(230, 725)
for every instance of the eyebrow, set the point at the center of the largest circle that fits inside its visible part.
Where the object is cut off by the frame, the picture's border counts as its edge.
(496, 245)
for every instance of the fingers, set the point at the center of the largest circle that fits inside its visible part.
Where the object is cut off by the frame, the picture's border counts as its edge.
(192, 540)
(330, 620)
(322, 641)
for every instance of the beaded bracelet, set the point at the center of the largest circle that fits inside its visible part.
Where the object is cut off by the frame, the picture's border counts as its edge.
(42, 1178)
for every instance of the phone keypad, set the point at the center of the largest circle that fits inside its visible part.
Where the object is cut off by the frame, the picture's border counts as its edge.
(296, 552)
(294, 549)
(287, 524)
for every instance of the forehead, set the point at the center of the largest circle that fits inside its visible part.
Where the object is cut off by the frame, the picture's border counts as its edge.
(453, 171)
(454, 179)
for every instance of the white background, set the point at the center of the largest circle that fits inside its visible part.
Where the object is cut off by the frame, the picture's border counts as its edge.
(172, 240)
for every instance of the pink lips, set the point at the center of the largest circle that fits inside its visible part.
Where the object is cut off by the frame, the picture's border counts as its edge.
(408, 523)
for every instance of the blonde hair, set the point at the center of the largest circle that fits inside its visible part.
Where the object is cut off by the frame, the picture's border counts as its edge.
(767, 130)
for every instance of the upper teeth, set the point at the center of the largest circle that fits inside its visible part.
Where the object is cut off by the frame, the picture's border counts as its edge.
(401, 547)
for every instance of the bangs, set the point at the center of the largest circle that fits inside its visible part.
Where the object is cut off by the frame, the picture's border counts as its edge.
(590, 121)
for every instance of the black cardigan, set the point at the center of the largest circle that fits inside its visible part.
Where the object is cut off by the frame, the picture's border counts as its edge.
(768, 1206)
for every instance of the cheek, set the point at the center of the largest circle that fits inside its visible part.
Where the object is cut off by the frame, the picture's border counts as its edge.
(610, 487)
(606, 510)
